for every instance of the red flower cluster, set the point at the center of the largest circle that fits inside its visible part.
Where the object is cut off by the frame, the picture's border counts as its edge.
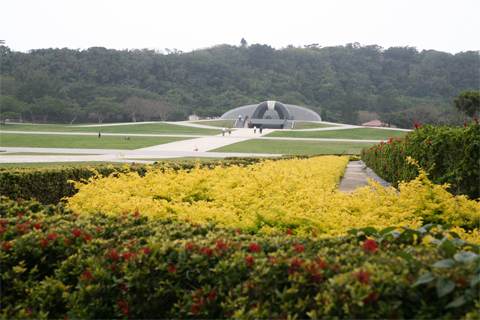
(370, 245)
(172, 269)
(364, 276)
(206, 251)
(289, 232)
(3, 222)
(249, 260)
(146, 251)
(190, 246)
(6, 245)
(86, 275)
(372, 296)
(114, 255)
(23, 227)
(44, 242)
(221, 247)
(52, 236)
(77, 232)
(296, 263)
(123, 305)
(198, 300)
(298, 248)
(2, 230)
(254, 248)
(37, 225)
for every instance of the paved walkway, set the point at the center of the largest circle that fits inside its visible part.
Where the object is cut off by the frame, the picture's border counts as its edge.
(355, 174)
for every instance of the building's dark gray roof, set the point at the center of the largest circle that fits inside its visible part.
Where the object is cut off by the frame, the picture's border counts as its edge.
(297, 113)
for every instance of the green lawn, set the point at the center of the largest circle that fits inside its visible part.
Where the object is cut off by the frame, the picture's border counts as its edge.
(44, 154)
(311, 125)
(294, 147)
(356, 134)
(81, 142)
(58, 164)
(140, 128)
(217, 123)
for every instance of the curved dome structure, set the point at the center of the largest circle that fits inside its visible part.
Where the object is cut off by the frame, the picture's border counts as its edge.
(270, 114)
(260, 110)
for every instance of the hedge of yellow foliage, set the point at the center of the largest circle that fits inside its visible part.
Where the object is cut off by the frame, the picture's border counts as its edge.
(297, 195)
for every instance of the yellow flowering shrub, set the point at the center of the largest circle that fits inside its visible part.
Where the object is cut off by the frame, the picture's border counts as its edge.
(266, 197)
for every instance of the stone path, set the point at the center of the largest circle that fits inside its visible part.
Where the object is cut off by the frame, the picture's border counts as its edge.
(356, 174)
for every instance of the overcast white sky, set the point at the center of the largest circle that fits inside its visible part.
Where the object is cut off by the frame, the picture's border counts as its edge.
(450, 26)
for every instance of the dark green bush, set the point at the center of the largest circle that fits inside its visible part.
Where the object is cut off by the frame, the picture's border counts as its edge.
(57, 264)
(50, 185)
(449, 154)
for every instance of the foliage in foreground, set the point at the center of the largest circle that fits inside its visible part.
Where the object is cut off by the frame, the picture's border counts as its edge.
(265, 197)
(58, 264)
(449, 154)
(50, 185)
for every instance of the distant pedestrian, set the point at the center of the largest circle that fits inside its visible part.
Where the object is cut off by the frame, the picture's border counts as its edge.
(239, 117)
(99, 135)
(261, 129)
(255, 129)
(196, 149)
(229, 131)
(223, 132)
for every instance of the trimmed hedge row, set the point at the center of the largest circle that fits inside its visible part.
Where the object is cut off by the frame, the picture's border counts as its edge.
(449, 154)
(50, 185)
(57, 264)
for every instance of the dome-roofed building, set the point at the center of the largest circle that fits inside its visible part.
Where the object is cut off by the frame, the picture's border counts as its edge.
(270, 114)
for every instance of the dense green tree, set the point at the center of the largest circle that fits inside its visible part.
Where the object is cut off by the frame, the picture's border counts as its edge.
(467, 103)
(214, 80)
(104, 107)
(47, 106)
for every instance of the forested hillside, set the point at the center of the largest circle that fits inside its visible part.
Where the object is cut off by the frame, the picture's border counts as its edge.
(348, 83)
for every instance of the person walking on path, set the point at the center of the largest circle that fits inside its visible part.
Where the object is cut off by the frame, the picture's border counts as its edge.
(254, 129)
(223, 132)
(99, 135)
(229, 131)
(261, 129)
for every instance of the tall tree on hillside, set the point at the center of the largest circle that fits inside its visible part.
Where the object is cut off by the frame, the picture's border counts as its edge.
(243, 42)
(165, 109)
(103, 108)
(349, 110)
(419, 114)
(132, 107)
(46, 106)
(467, 103)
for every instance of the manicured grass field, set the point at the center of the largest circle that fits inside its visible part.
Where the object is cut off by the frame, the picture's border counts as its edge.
(58, 164)
(140, 128)
(311, 125)
(217, 123)
(81, 142)
(356, 134)
(294, 147)
(44, 154)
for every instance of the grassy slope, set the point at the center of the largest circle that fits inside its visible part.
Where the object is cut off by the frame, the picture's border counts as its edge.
(294, 147)
(145, 128)
(81, 142)
(311, 125)
(356, 134)
(217, 123)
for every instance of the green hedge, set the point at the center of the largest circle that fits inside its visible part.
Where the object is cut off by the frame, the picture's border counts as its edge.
(50, 185)
(449, 154)
(56, 264)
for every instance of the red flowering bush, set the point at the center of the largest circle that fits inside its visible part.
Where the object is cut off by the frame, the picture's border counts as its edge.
(450, 154)
(128, 268)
